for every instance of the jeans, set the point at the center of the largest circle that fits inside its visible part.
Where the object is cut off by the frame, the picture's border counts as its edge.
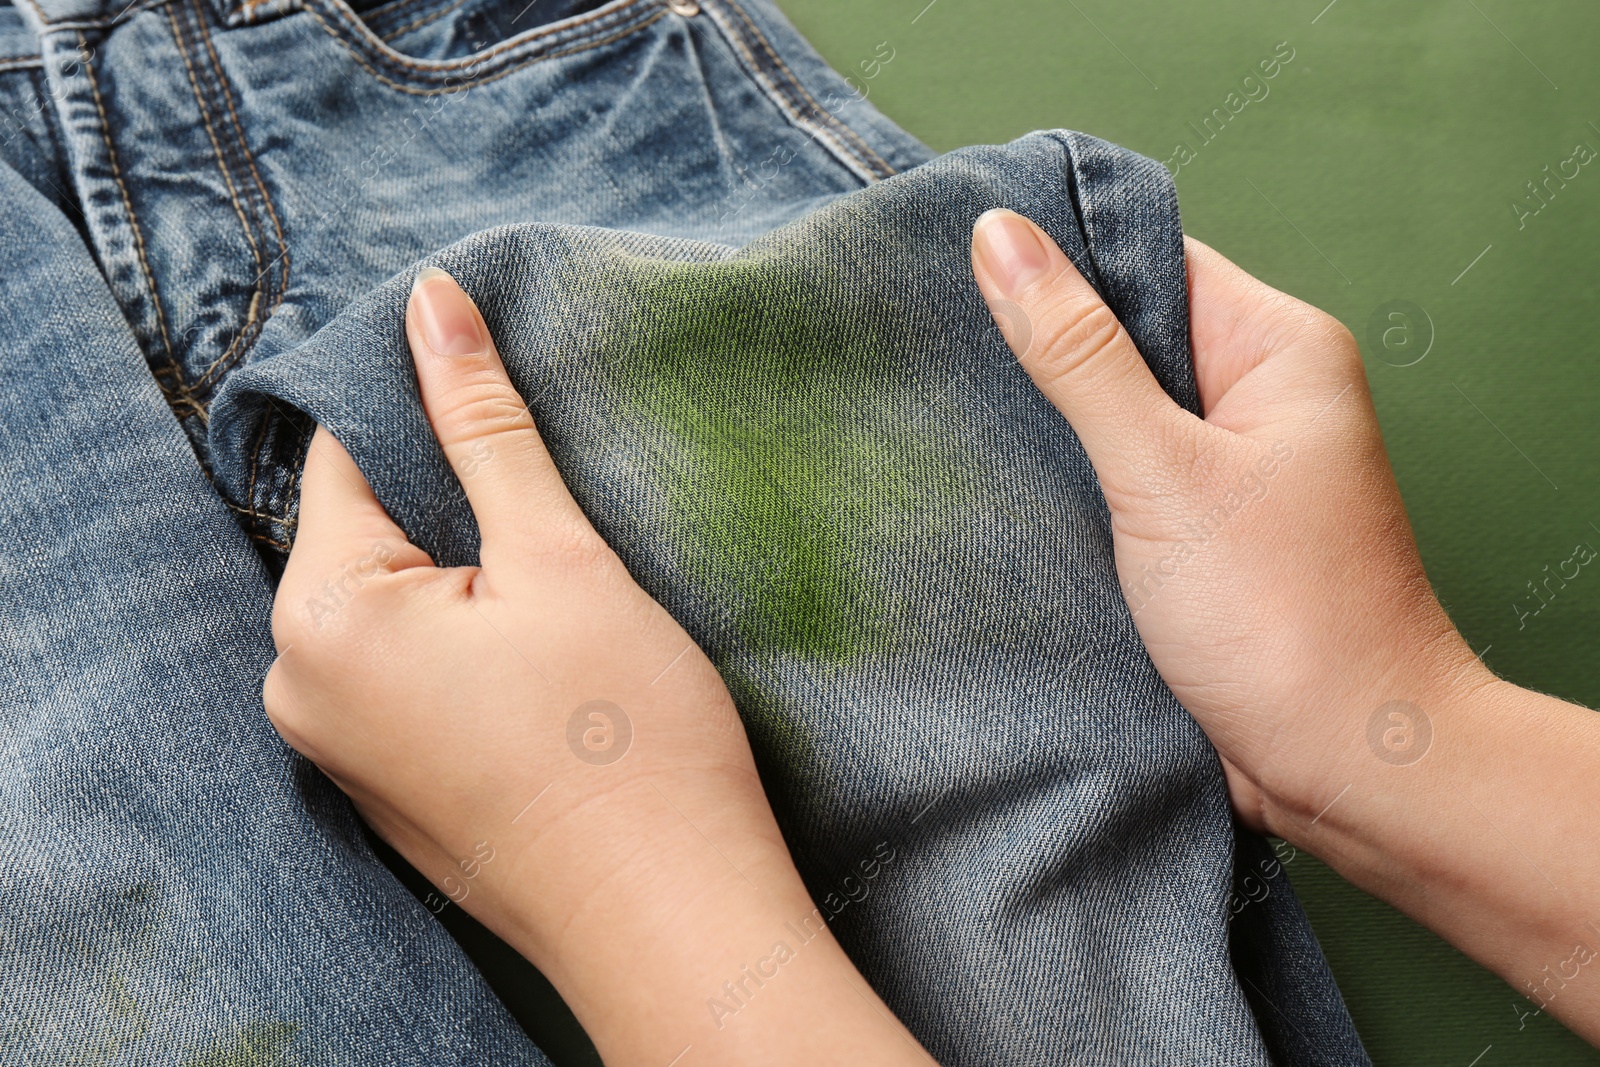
(737, 300)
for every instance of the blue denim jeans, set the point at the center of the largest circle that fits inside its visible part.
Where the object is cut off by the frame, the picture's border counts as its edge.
(737, 300)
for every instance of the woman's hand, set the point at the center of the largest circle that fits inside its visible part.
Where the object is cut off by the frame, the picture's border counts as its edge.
(545, 743)
(1263, 549)
(1265, 554)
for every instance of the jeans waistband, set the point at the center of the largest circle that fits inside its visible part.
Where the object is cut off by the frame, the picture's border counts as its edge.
(60, 15)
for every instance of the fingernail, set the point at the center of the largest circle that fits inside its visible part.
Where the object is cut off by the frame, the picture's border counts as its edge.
(445, 315)
(1010, 250)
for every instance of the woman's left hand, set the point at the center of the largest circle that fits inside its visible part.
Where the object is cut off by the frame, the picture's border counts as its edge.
(544, 742)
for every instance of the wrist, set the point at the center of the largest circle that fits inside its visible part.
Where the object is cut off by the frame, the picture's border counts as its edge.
(1410, 780)
(721, 950)
(1475, 838)
(1376, 726)
(685, 924)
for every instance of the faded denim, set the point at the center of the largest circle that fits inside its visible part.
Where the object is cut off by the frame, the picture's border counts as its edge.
(738, 302)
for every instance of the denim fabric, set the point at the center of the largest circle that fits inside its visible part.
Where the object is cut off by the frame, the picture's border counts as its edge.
(179, 887)
(817, 452)
(758, 355)
(237, 169)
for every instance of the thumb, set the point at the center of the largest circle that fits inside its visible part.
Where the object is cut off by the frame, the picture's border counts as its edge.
(482, 423)
(1074, 349)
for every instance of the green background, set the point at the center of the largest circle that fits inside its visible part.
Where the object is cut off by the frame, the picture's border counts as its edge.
(1382, 163)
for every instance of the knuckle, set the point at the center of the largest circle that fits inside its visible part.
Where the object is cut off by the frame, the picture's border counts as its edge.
(484, 407)
(277, 698)
(288, 623)
(1325, 331)
(1071, 334)
(575, 546)
(328, 620)
(1296, 323)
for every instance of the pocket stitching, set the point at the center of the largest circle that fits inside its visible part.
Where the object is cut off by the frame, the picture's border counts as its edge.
(367, 48)
(225, 362)
(420, 21)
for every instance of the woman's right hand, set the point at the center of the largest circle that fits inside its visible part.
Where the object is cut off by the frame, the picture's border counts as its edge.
(1263, 549)
(1271, 571)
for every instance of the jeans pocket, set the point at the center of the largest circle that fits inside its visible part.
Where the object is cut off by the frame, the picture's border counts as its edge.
(433, 46)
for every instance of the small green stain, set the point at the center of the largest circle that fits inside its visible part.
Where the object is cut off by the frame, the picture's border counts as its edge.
(258, 1044)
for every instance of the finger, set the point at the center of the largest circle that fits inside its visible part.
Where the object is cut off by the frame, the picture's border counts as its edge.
(1076, 351)
(482, 423)
(343, 537)
(1237, 321)
(338, 513)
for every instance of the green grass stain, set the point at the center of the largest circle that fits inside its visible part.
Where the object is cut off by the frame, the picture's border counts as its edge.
(779, 406)
(258, 1044)
(758, 378)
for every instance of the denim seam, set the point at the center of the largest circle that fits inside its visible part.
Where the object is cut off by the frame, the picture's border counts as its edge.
(256, 318)
(881, 167)
(417, 90)
(176, 391)
(55, 124)
(233, 192)
(21, 62)
(356, 36)
(256, 528)
(784, 98)
(421, 21)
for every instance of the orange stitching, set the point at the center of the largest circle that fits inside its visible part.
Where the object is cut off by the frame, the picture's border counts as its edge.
(38, 13)
(233, 194)
(255, 465)
(266, 200)
(387, 11)
(138, 237)
(258, 535)
(21, 63)
(834, 119)
(413, 90)
(776, 93)
(422, 20)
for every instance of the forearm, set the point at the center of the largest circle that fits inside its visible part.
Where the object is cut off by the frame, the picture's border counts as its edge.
(712, 952)
(1482, 839)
